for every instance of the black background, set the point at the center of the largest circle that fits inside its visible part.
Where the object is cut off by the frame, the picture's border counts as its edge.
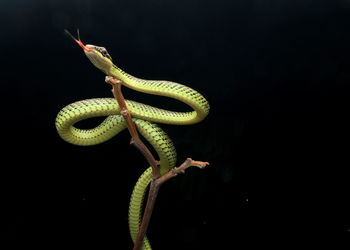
(276, 74)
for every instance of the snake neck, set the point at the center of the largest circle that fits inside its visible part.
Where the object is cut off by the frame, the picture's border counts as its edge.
(117, 72)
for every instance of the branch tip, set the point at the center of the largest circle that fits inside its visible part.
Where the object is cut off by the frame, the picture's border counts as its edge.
(200, 164)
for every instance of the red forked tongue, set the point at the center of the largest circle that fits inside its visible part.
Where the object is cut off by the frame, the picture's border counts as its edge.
(78, 41)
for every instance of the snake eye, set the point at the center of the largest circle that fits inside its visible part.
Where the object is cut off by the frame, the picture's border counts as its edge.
(103, 52)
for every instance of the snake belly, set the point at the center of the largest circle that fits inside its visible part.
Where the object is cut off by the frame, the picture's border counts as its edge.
(144, 117)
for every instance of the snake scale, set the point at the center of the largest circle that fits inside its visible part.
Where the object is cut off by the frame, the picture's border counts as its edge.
(144, 116)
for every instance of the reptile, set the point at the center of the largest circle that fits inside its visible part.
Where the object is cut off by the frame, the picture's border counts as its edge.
(144, 116)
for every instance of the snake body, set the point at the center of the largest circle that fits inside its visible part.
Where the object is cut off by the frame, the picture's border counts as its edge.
(143, 115)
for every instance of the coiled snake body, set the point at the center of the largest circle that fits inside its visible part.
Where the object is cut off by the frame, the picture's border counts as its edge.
(143, 116)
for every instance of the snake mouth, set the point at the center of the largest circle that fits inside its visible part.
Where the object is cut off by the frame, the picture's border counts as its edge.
(78, 41)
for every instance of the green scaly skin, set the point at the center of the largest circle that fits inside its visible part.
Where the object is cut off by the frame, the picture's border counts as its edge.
(143, 116)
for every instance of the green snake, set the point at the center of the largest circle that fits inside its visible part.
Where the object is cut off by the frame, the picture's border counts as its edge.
(143, 116)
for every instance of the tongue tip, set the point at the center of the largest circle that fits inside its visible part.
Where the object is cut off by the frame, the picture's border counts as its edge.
(78, 41)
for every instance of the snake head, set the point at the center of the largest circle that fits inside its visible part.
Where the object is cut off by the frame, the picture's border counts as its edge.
(97, 55)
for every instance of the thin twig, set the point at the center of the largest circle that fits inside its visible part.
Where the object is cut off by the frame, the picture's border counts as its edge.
(135, 139)
(181, 169)
(157, 180)
(153, 192)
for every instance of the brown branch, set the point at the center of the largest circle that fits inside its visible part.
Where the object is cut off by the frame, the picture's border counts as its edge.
(180, 170)
(152, 196)
(157, 180)
(153, 192)
(135, 139)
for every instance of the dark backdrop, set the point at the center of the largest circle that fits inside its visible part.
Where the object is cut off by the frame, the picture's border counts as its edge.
(276, 74)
